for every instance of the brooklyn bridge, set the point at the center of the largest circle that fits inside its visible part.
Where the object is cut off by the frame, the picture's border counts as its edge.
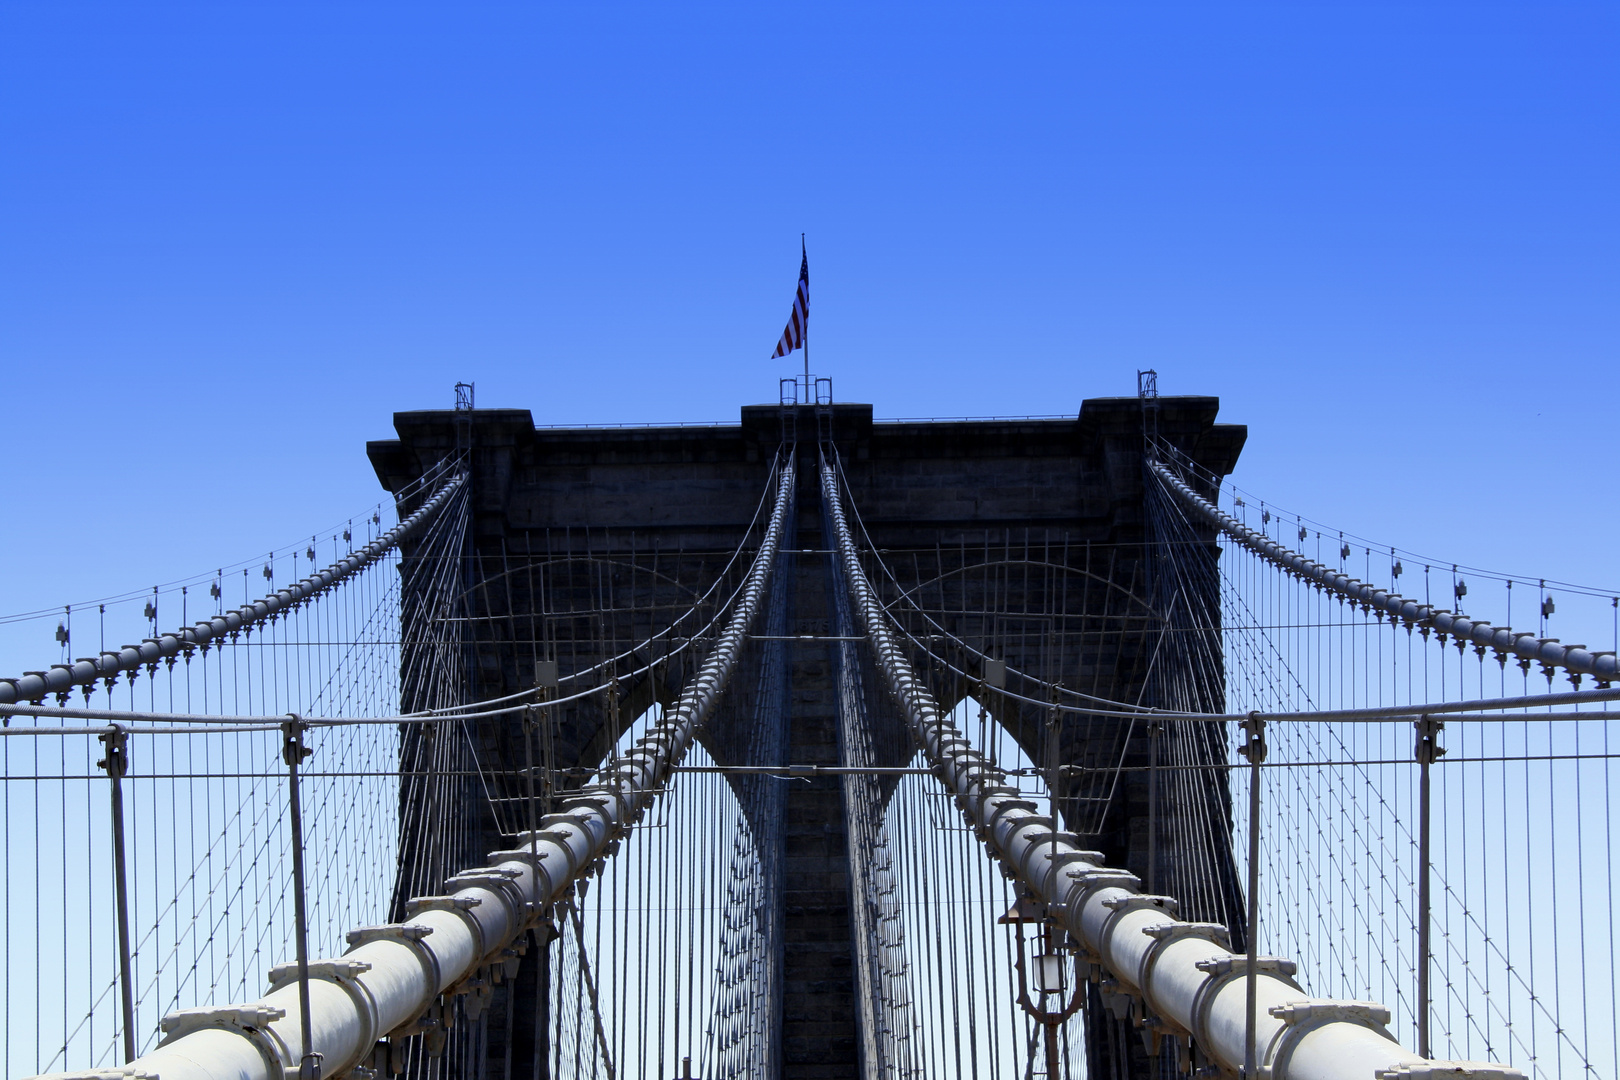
(815, 746)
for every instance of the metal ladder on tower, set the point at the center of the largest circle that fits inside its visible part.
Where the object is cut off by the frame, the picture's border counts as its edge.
(824, 410)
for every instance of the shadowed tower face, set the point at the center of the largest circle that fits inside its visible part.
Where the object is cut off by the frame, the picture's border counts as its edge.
(1018, 553)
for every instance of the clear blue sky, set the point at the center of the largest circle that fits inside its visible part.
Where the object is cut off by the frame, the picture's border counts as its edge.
(235, 238)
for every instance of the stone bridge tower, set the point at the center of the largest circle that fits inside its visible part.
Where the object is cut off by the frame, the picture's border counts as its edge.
(1023, 541)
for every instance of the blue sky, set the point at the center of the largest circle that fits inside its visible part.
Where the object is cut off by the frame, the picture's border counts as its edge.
(234, 239)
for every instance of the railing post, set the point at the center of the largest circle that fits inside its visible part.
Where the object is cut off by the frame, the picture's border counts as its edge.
(293, 751)
(1054, 750)
(530, 723)
(1155, 728)
(1426, 750)
(116, 762)
(1254, 750)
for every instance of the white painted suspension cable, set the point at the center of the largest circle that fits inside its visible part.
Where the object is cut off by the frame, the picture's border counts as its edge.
(428, 479)
(1603, 666)
(388, 981)
(1168, 452)
(62, 678)
(1183, 978)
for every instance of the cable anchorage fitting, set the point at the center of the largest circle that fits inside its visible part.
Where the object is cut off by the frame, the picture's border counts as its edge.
(1427, 749)
(116, 759)
(1253, 749)
(293, 750)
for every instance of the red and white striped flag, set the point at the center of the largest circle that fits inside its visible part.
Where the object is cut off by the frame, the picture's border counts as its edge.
(799, 322)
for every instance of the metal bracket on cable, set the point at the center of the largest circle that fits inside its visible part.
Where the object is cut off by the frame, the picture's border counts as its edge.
(251, 1022)
(1253, 750)
(1449, 1070)
(1300, 1018)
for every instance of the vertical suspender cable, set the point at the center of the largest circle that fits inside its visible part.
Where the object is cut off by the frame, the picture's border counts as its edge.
(63, 677)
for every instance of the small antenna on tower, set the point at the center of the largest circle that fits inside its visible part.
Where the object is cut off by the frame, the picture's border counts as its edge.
(1147, 390)
(464, 406)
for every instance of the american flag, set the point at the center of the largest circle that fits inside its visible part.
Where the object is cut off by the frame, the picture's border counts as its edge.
(799, 321)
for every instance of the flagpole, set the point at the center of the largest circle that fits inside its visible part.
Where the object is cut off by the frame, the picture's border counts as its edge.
(807, 399)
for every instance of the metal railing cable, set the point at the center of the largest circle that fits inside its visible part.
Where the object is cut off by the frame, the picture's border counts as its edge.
(1457, 710)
